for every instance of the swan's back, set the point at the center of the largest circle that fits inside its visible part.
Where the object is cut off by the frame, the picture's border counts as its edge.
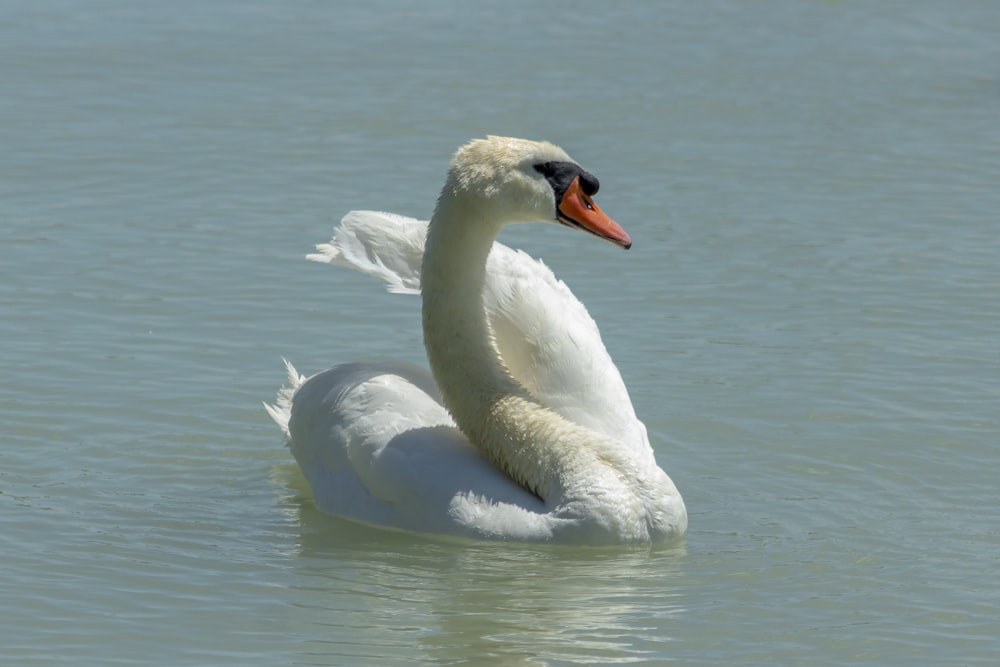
(376, 445)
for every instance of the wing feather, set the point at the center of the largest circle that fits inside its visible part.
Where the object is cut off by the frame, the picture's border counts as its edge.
(548, 340)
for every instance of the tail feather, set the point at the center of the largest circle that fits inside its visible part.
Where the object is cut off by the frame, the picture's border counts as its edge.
(281, 410)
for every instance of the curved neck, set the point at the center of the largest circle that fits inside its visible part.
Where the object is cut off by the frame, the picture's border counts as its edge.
(517, 434)
(457, 333)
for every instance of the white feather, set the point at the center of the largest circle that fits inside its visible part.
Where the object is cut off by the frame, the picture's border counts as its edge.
(376, 441)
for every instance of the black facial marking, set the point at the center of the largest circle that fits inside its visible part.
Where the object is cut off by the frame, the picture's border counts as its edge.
(561, 174)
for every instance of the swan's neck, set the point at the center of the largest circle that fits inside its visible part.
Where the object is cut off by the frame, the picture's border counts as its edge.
(536, 447)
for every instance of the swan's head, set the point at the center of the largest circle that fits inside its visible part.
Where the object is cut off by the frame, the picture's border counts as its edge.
(516, 180)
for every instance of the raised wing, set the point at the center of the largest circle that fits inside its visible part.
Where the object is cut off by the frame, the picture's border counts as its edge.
(545, 335)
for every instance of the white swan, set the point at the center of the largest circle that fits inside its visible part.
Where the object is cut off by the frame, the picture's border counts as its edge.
(525, 431)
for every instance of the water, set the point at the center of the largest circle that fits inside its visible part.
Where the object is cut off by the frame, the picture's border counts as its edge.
(807, 323)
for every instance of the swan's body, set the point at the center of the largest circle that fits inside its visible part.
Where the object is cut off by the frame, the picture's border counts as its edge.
(525, 431)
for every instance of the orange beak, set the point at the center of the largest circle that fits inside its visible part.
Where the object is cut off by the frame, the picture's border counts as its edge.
(577, 209)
